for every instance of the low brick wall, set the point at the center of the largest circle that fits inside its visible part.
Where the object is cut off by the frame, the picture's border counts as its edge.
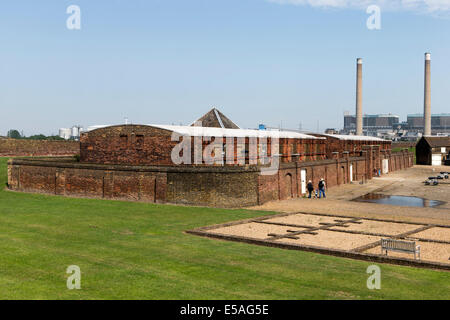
(217, 186)
(286, 183)
(24, 147)
(208, 186)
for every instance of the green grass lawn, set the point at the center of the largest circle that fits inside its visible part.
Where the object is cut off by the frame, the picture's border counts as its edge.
(132, 250)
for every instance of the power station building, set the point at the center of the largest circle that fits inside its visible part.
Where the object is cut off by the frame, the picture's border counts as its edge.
(377, 125)
(440, 123)
(373, 124)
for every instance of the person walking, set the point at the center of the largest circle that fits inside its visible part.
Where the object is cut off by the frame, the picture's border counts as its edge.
(310, 188)
(322, 188)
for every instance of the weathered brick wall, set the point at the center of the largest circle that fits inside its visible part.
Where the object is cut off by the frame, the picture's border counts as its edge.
(219, 186)
(286, 183)
(209, 186)
(335, 172)
(360, 170)
(400, 160)
(131, 144)
(353, 147)
(268, 188)
(23, 147)
(146, 145)
(74, 179)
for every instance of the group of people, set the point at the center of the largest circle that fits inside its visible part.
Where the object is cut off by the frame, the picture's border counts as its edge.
(317, 193)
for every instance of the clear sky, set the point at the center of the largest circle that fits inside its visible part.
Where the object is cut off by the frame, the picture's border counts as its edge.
(259, 61)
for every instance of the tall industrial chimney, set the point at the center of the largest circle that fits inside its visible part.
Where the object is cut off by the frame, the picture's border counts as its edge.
(359, 114)
(427, 100)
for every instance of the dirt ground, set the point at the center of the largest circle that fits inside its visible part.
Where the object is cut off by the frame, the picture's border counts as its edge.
(341, 234)
(380, 227)
(333, 240)
(402, 183)
(254, 230)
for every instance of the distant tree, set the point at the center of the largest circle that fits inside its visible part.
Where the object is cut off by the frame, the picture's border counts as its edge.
(55, 138)
(14, 134)
(44, 137)
(37, 137)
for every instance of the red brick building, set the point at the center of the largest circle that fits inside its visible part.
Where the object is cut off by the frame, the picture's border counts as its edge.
(354, 145)
(154, 145)
(218, 165)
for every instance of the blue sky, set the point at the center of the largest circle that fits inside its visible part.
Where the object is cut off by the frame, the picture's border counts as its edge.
(259, 61)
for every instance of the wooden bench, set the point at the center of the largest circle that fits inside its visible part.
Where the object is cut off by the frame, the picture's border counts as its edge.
(400, 246)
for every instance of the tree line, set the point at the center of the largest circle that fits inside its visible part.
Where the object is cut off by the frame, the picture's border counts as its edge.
(15, 134)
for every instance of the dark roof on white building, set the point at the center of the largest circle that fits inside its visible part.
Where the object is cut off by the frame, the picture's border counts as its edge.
(436, 142)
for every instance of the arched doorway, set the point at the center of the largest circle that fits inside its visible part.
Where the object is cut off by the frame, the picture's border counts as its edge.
(344, 175)
(288, 186)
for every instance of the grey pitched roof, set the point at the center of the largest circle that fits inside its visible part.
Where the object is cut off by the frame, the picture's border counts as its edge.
(436, 142)
(216, 119)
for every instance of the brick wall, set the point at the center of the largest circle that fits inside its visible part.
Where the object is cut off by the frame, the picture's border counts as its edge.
(335, 172)
(23, 147)
(209, 186)
(353, 147)
(131, 144)
(73, 179)
(146, 145)
(219, 186)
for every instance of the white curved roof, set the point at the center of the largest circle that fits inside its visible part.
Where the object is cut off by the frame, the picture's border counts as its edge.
(239, 133)
(91, 128)
(354, 138)
(243, 133)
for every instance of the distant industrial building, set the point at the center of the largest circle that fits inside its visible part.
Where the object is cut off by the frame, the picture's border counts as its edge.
(241, 167)
(389, 126)
(71, 133)
(331, 131)
(440, 123)
(375, 125)
(65, 133)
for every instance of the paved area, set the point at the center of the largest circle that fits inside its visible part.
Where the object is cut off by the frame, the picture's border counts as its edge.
(403, 183)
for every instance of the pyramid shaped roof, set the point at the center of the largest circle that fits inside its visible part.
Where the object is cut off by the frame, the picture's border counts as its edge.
(216, 119)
